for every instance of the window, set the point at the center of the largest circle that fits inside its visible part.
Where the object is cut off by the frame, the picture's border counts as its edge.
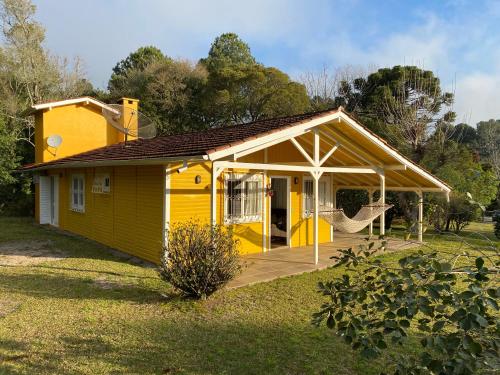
(243, 198)
(78, 193)
(102, 183)
(308, 195)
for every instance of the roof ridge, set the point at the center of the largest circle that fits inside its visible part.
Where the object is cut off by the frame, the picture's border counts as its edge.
(242, 124)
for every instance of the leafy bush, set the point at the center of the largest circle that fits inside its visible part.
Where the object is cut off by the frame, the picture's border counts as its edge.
(199, 258)
(496, 219)
(461, 212)
(449, 299)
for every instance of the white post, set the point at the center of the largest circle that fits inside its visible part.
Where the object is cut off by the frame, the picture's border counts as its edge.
(420, 215)
(334, 203)
(264, 206)
(316, 176)
(316, 147)
(370, 202)
(315, 217)
(382, 201)
(213, 195)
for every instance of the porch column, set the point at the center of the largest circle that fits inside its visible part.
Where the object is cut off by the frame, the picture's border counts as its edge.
(370, 202)
(264, 206)
(216, 171)
(381, 175)
(315, 217)
(334, 205)
(316, 176)
(420, 215)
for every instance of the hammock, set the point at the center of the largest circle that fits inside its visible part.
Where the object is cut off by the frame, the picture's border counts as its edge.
(338, 219)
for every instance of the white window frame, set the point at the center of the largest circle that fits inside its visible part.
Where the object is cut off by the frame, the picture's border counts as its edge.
(79, 205)
(101, 184)
(327, 199)
(243, 178)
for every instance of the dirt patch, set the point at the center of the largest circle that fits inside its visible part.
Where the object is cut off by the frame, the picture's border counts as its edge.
(7, 307)
(25, 253)
(108, 284)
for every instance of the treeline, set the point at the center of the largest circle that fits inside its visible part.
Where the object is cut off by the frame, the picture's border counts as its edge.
(404, 104)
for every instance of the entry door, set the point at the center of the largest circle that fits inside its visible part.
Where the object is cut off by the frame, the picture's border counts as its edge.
(280, 212)
(49, 200)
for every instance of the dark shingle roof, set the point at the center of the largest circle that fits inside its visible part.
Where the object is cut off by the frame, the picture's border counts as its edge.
(184, 145)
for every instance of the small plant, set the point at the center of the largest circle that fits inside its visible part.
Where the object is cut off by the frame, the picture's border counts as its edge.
(199, 258)
(448, 299)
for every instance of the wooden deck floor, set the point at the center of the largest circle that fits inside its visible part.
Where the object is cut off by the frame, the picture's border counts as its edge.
(283, 261)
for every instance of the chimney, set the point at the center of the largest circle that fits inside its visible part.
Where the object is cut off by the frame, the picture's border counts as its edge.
(130, 116)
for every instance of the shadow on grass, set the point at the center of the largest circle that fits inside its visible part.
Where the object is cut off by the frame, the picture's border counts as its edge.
(84, 270)
(42, 285)
(202, 347)
(73, 246)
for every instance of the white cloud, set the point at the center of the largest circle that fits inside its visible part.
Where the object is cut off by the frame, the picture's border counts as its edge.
(464, 54)
(477, 97)
(295, 35)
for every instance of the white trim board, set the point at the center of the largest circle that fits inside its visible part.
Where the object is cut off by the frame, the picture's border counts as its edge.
(60, 103)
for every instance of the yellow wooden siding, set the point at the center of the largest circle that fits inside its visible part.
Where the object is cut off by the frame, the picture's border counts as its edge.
(129, 218)
(190, 200)
(149, 226)
(81, 126)
(187, 198)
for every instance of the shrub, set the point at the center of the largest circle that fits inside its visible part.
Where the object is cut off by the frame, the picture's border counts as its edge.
(448, 299)
(461, 212)
(199, 258)
(496, 219)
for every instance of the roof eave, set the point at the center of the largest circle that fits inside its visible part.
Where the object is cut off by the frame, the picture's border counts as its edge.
(59, 103)
(113, 163)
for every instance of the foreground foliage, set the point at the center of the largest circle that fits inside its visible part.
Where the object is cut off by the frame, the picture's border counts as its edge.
(199, 258)
(449, 297)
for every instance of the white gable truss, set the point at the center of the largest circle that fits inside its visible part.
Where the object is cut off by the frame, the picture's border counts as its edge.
(364, 162)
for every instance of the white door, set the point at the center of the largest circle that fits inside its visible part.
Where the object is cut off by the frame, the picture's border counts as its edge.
(54, 200)
(49, 200)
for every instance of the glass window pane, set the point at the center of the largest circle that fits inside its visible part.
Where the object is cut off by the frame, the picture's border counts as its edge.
(233, 199)
(251, 198)
(308, 196)
(322, 193)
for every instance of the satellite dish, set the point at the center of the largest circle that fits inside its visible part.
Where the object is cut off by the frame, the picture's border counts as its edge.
(129, 121)
(54, 140)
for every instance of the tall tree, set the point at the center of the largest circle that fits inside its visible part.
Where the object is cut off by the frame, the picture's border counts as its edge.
(28, 75)
(404, 104)
(465, 134)
(228, 51)
(166, 88)
(488, 133)
(239, 89)
(329, 88)
(136, 61)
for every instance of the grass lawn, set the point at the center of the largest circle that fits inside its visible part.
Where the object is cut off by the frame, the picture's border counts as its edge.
(94, 312)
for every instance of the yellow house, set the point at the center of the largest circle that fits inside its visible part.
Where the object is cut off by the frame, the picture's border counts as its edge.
(266, 178)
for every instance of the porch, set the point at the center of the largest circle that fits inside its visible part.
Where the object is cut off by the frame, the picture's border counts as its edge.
(283, 261)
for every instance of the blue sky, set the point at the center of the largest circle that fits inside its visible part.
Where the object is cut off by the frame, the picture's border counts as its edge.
(458, 39)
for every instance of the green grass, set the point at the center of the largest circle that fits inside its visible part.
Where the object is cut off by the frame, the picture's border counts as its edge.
(62, 322)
